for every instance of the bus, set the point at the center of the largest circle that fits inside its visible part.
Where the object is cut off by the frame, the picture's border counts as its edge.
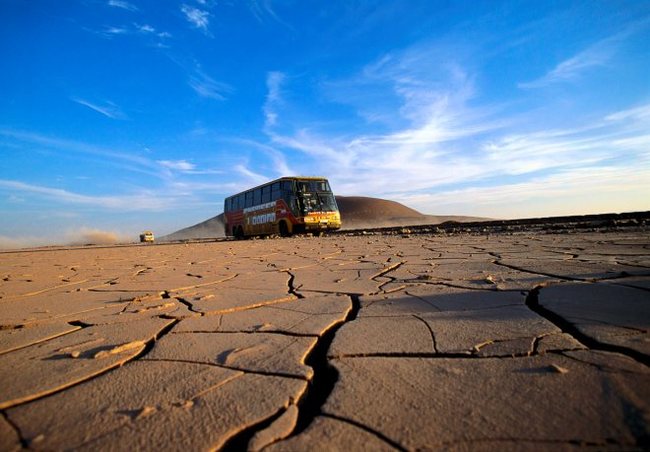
(285, 206)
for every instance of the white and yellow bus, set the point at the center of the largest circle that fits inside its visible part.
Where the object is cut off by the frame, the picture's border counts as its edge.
(285, 206)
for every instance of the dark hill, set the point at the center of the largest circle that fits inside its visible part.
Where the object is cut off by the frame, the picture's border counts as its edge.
(214, 227)
(357, 212)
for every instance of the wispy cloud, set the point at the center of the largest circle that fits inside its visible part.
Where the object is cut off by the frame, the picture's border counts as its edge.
(112, 31)
(206, 86)
(432, 106)
(108, 108)
(252, 176)
(279, 164)
(123, 5)
(274, 82)
(178, 165)
(197, 17)
(262, 10)
(363, 165)
(594, 56)
(134, 29)
(441, 139)
(146, 200)
(566, 192)
(124, 160)
(636, 114)
(570, 69)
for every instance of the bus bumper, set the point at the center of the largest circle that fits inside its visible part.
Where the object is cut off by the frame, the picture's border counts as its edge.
(323, 223)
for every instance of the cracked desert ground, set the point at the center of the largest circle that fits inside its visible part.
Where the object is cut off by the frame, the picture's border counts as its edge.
(365, 342)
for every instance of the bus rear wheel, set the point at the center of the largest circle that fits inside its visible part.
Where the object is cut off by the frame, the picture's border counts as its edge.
(284, 230)
(239, 233)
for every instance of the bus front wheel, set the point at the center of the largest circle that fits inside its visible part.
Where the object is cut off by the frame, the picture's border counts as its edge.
(284, 229)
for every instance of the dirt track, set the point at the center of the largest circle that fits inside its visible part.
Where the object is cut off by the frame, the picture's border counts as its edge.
(402, 341)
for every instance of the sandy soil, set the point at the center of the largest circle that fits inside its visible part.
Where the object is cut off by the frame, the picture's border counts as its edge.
(351, 342)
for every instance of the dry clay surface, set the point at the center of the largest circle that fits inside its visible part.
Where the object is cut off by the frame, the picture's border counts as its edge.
(373, 342)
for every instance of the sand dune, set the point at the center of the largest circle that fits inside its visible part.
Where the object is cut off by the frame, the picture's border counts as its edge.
(357, 212)
(214, 227)
(363, 212)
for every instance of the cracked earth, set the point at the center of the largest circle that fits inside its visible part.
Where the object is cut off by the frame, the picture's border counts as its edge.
(457, 342)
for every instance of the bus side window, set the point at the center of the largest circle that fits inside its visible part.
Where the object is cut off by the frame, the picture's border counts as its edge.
(249, 199)
(287, 186)
(226, 205)
(257, 197)
(266, 194)
(275, 191)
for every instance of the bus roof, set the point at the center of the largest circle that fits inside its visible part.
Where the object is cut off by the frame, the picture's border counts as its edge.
(278, 180)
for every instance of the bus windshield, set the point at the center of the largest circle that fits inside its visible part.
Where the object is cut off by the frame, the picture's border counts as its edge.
(317, 202)
(312, 186)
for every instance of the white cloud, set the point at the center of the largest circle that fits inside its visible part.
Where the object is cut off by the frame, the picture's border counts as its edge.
(262, 10)
(114, 31)
(198, 18)
(279, 164)
(108, 109)
(179, 165)
(320, 148)
(141, 201)
(641, 113)
(206, 86)
(145, 28)
(123, 5)
(274, 82)
(433, 107)
(253, 177)
(124, 160)
(134, 29)
(438, 137)
(585, 190)
(596, 55)
(573, 67)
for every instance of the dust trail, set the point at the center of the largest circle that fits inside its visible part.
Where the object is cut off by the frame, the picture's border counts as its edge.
(85, 236)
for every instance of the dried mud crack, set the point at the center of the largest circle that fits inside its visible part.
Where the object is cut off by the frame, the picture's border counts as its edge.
(241, 440)
(520, 340)
(148, 346)
(320, 386)
(365, 428)
(532, 301)
(291, 289)
(23, 441)
(325, 375)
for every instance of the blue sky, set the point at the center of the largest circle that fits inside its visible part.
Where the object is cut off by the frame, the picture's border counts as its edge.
(120, 115)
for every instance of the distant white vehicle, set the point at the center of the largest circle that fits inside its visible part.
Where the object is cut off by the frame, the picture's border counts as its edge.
(147, 237)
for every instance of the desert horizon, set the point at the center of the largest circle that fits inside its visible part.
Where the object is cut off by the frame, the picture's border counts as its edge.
(358, 212)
